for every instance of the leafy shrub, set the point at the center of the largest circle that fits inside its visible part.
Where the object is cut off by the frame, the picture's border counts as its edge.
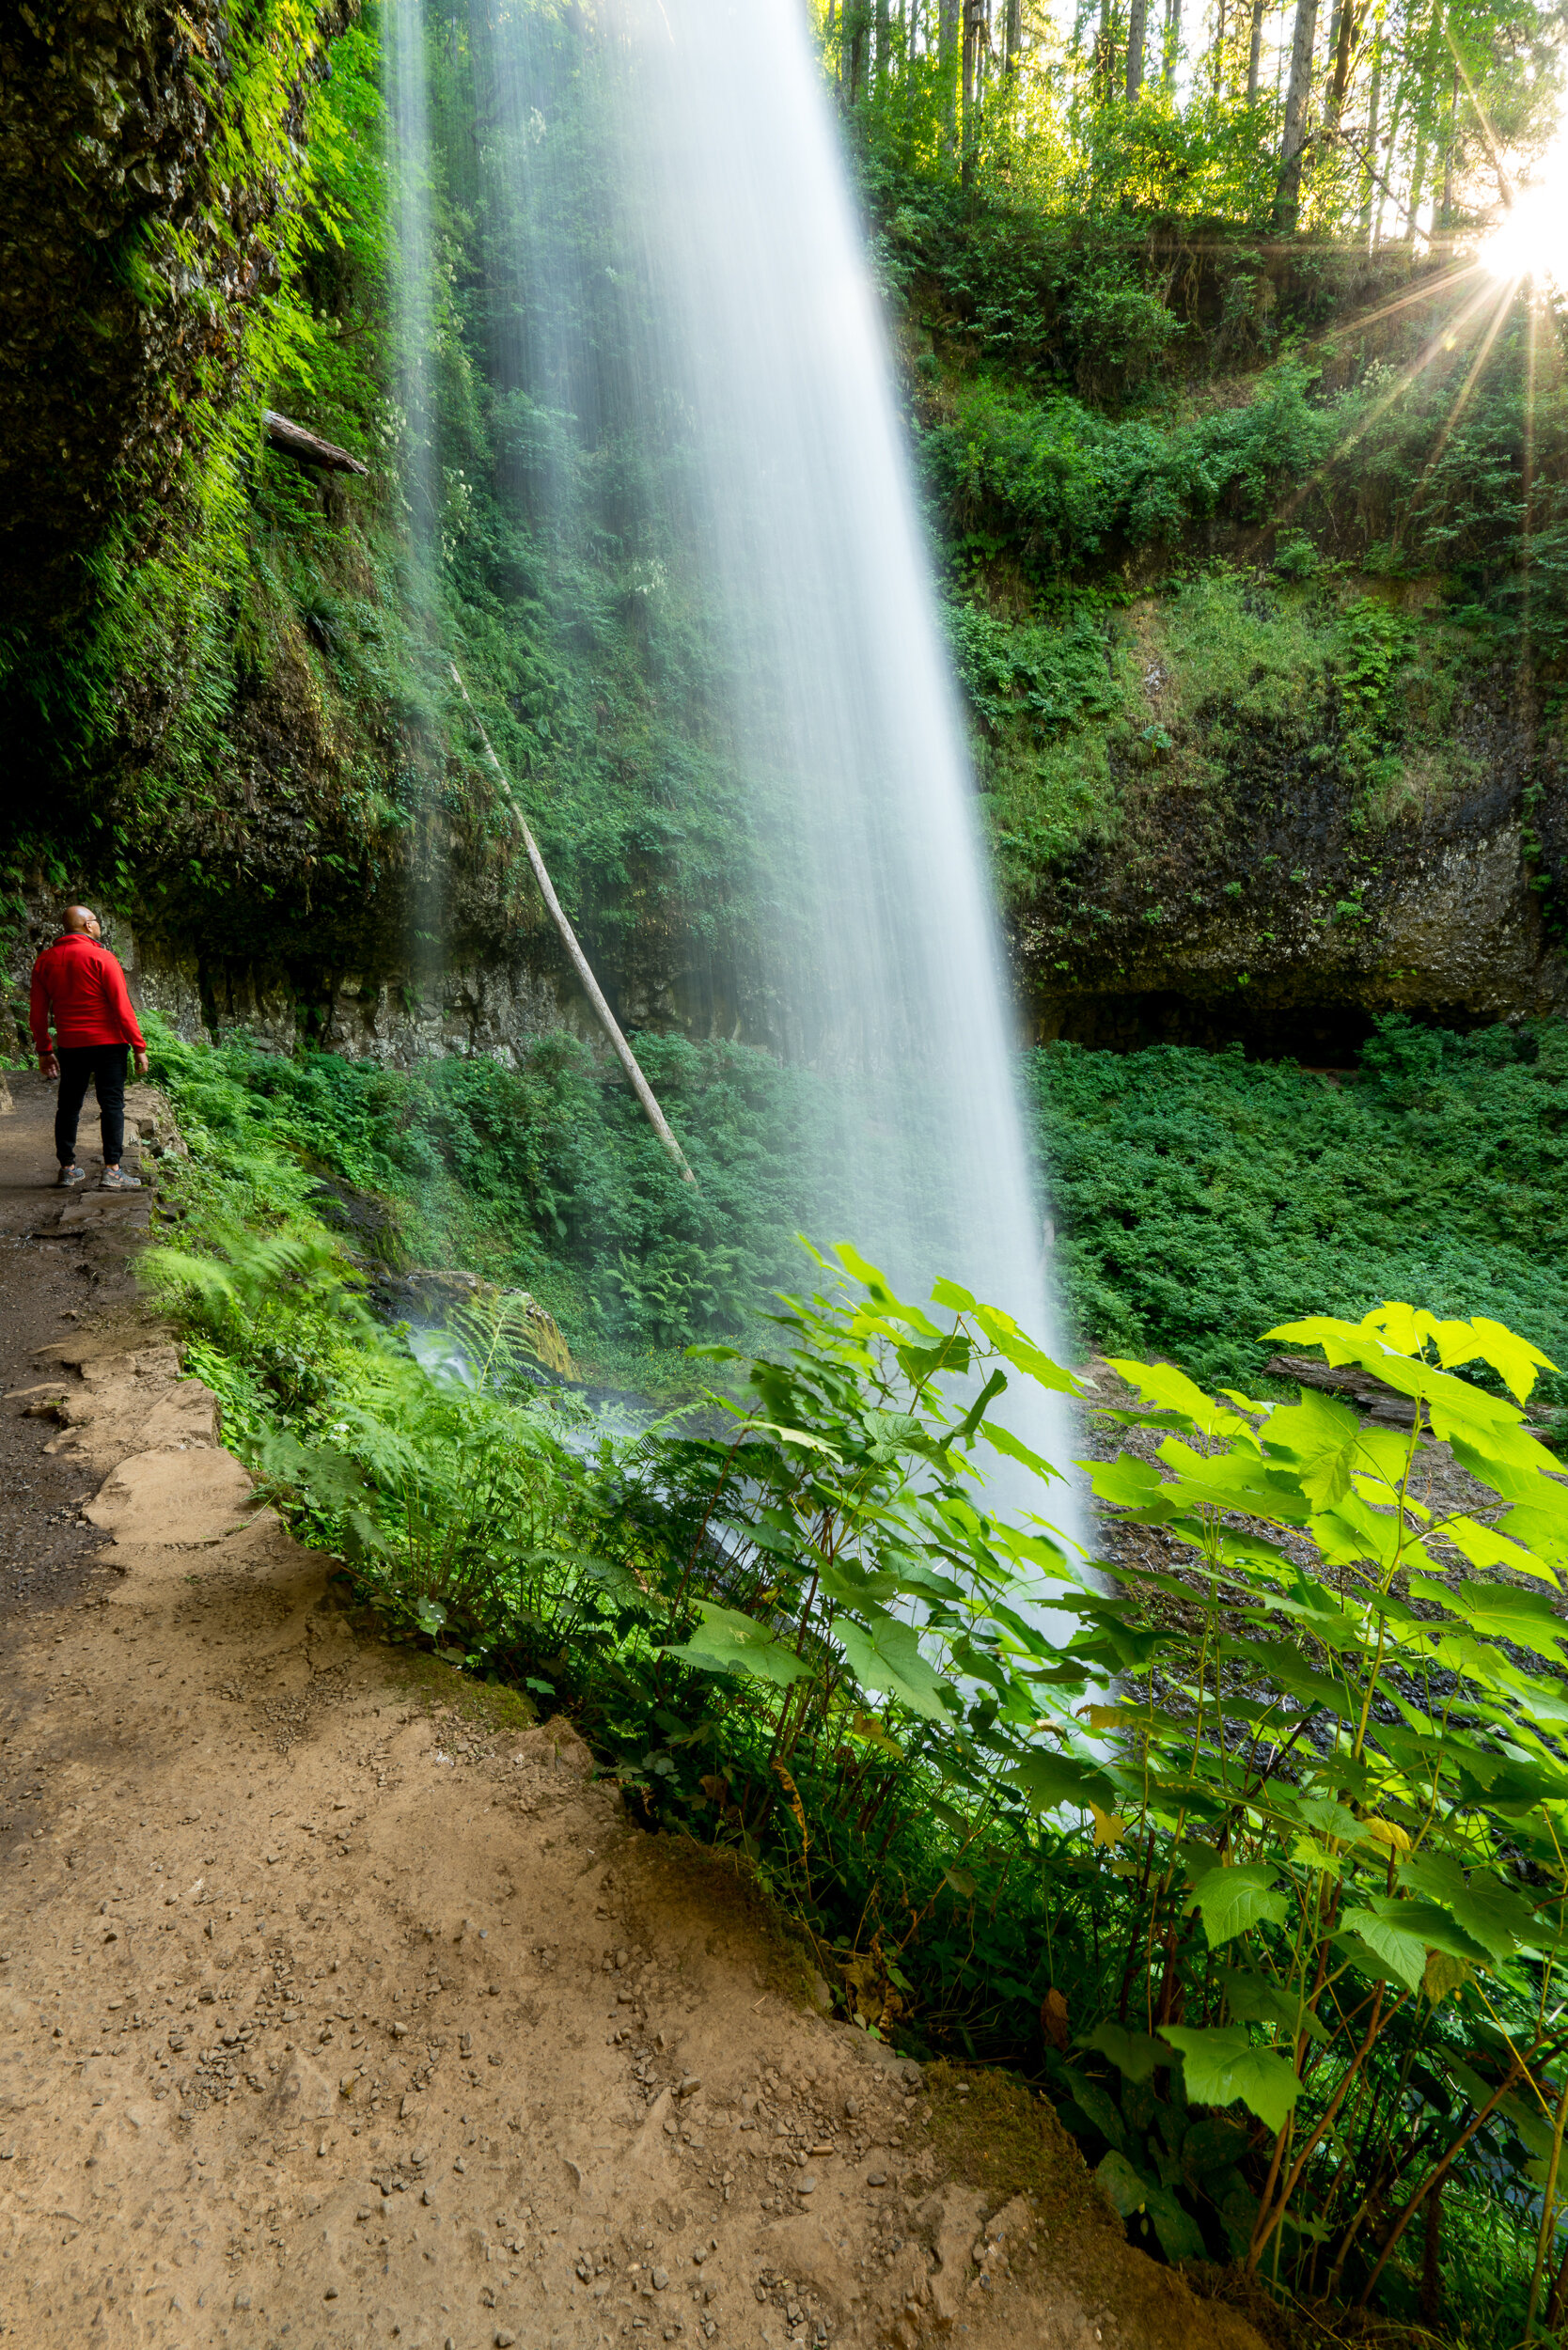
(1202, 1195)
(1059, 486)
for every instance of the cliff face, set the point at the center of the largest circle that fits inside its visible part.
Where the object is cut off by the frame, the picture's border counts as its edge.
(1251, 772)
(144, 154)
(1287, 903)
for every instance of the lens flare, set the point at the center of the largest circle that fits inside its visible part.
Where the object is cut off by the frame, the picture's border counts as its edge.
(1531, 239)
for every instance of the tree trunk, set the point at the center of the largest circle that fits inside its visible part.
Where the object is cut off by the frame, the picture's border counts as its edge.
(1417, 181)
(1216, 79)
(1374, 97)
(1445, 217)
(946, 40)
(1013, 34)
(884, 41)
(1105, 55)
(1173, 40)
(1343, 43)
(973, 33)
(1137, 28)
(1255, 52)
(1287, 197)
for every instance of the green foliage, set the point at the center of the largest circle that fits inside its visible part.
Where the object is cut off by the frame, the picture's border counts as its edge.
(1058, 486)
(549, 1175)
(1203, 1195)
(1336, 1760)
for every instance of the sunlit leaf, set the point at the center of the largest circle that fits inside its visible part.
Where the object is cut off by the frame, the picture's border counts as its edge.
(1163, 1385)
(886, 1654)
(1222, 2067)
(1230, 1900)
(1442, 1976)
(1109, 1830)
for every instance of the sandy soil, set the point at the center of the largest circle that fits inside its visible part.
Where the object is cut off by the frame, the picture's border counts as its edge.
(340, 2010)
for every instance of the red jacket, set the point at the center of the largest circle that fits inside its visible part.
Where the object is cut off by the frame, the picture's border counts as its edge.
(84, 987)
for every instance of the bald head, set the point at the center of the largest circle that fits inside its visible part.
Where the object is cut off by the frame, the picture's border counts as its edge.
(82, 919)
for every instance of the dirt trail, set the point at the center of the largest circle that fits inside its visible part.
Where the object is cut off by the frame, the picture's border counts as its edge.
(334, 2011)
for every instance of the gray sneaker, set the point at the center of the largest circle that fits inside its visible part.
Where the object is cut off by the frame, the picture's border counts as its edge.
(116, 1179)
(69, 1175)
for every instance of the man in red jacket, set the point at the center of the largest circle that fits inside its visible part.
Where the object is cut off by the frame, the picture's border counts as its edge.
(78, 982)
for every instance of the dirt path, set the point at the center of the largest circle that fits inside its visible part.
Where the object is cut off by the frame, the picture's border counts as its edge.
(336, 2012)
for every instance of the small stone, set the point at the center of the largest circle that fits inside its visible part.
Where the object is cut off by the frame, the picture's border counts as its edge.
(427, 2197)
(331, 2293)
(503, 2340)
(876, 2178)
(460, 2166)
(806, 2187)
(661, 2279)
(242, 2300)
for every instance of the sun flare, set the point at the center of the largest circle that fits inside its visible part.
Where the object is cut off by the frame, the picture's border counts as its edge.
(1531, 239)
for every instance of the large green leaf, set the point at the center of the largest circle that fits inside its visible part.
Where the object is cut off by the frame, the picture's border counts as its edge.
(1130, 1483)
(1222, 2068)
(886, 1654)
(1126, 2188)
(1501, 1611)
(1181, 2237)
(1484, 1546)
(1231, 1899)
(1050, 1781)
(1483, 1909)
(1259, 1999)
(727, 1641)
(1321, 1438)
(1163, 1385)
(1401, 1933)
(1007, 1337)
(1134, 2053)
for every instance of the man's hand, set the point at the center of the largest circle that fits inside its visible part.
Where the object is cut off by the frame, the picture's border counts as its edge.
(48, 1065)
(141, 1061)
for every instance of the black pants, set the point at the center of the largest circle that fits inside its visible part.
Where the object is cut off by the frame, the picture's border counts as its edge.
(103, 1066)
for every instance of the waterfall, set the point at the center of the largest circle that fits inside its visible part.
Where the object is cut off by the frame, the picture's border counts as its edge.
(692, 371)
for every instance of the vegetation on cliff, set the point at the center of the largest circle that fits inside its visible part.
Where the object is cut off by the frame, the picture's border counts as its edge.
(1227, 522)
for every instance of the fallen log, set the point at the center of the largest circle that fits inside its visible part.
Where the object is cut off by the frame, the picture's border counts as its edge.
(1384, 1403)
(591, 988)
(1385, 1406)
(308, 449)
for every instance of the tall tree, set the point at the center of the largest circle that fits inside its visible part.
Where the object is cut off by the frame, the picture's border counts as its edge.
(976, 40)
(1138, 34)
(1255, 51)
(947, 58)
(1298, 99)
(1105, 55)
(1374, 100)
(1172, 40)
(1348, 24)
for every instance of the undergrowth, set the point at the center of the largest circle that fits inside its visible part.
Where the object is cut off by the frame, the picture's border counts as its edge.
(1198, 1196)
(798, 1630)
(1202, 1196)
